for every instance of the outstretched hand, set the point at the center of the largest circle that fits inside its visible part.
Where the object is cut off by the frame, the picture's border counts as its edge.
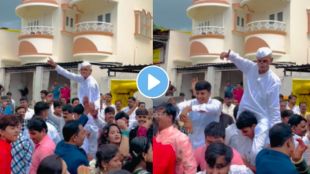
(224, 55)
(51, 62)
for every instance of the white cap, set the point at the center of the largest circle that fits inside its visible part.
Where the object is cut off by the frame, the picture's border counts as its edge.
(85, 63)
(263, 52)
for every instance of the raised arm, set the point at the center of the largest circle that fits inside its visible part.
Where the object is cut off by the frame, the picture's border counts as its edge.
(242, 64)
(64, 72)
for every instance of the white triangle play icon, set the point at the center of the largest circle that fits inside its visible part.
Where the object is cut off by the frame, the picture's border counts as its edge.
(152, 82)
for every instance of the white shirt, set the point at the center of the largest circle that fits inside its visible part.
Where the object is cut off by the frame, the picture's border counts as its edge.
(91, 142)
(132, 117)
(306, 154)
(102, 113)
(235, 169)
(29, 114)
(261, 93)
(53, 133)
(87, 87)
(229, 109)
(295, 109)
(247, 147)
(201, 116)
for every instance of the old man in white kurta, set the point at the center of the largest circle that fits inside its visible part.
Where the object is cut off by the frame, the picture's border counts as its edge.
(261, 95)
(88, 86)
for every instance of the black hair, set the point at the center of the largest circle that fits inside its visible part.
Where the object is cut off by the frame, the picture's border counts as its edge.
(57, 104)
(109, 94)
(45, 92)
(215, 129)
(142, 112)
(140, 103)
(109, 109)
(23, 99)
(104, 137)
(105, 153)
(37, 124)
(203, 85)
(246, 119)
(216, 150)
(278, 134)
(68, 108)
(40, 106)
(291, 96)
(73, 99)
(287, 113)
(303, 102)
(79, 109)
(220, 99)
(70, 128)
(132, 98)
(295, 120)
(182, 94)
(170, 110)
(138, 147)
(121, 115)
(20, 107)
(9, 93)
(8, 120)
(50, 165)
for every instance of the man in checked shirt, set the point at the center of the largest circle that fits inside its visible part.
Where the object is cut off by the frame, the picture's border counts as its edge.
(22, 148)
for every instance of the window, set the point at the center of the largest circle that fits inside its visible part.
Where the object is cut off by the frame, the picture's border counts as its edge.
(272, 17)
(71, 22)
(280, 16)
(108, 17)
(143, 23)
(238, 21)
(242, 22)
(100, 18)
(67, 21)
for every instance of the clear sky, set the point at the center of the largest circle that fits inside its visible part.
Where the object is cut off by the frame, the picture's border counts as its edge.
(167, 13)
(8, 17)
(172, 14)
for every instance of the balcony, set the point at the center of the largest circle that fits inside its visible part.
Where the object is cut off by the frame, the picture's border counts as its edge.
(265, 33)
(35, 44)
(93, 39)
(200, 7)
(35, 7)
(207, 43)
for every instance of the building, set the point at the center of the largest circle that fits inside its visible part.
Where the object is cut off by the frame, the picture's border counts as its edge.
(242, 26)
(105, 32)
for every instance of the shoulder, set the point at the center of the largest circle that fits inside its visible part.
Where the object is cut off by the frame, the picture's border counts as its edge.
(240, 169)
(275, 78)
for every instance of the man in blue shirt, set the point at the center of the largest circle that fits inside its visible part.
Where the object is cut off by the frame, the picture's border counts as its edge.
(69, 149)
(6, 108)
(276, 160)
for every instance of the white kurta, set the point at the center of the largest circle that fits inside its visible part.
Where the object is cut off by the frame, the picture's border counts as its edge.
(261, 94)
(87, 87)
(132, 117)
(248, 148)
(201, 116)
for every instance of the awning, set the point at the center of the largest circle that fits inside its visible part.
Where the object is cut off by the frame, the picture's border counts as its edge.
(124, 69)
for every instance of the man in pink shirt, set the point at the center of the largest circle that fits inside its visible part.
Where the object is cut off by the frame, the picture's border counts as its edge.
(214, 132)
(238, 92)
(65, 92)
(44, 146)
(173, 142)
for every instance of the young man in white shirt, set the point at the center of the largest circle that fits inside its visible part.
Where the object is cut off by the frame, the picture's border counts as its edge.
(247, 138)
(291, 104)
(29, 112)
(200, 111)
(228, 106)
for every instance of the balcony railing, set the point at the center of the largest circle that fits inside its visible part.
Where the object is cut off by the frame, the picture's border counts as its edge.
(208, 30)
(266, 25)
(37, 30)
(47, 1)
(94, 26)
(213, 1)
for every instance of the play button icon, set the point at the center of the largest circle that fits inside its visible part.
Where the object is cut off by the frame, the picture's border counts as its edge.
(152, 81)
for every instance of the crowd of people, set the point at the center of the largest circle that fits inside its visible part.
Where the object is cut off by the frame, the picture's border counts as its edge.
(250, 130)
